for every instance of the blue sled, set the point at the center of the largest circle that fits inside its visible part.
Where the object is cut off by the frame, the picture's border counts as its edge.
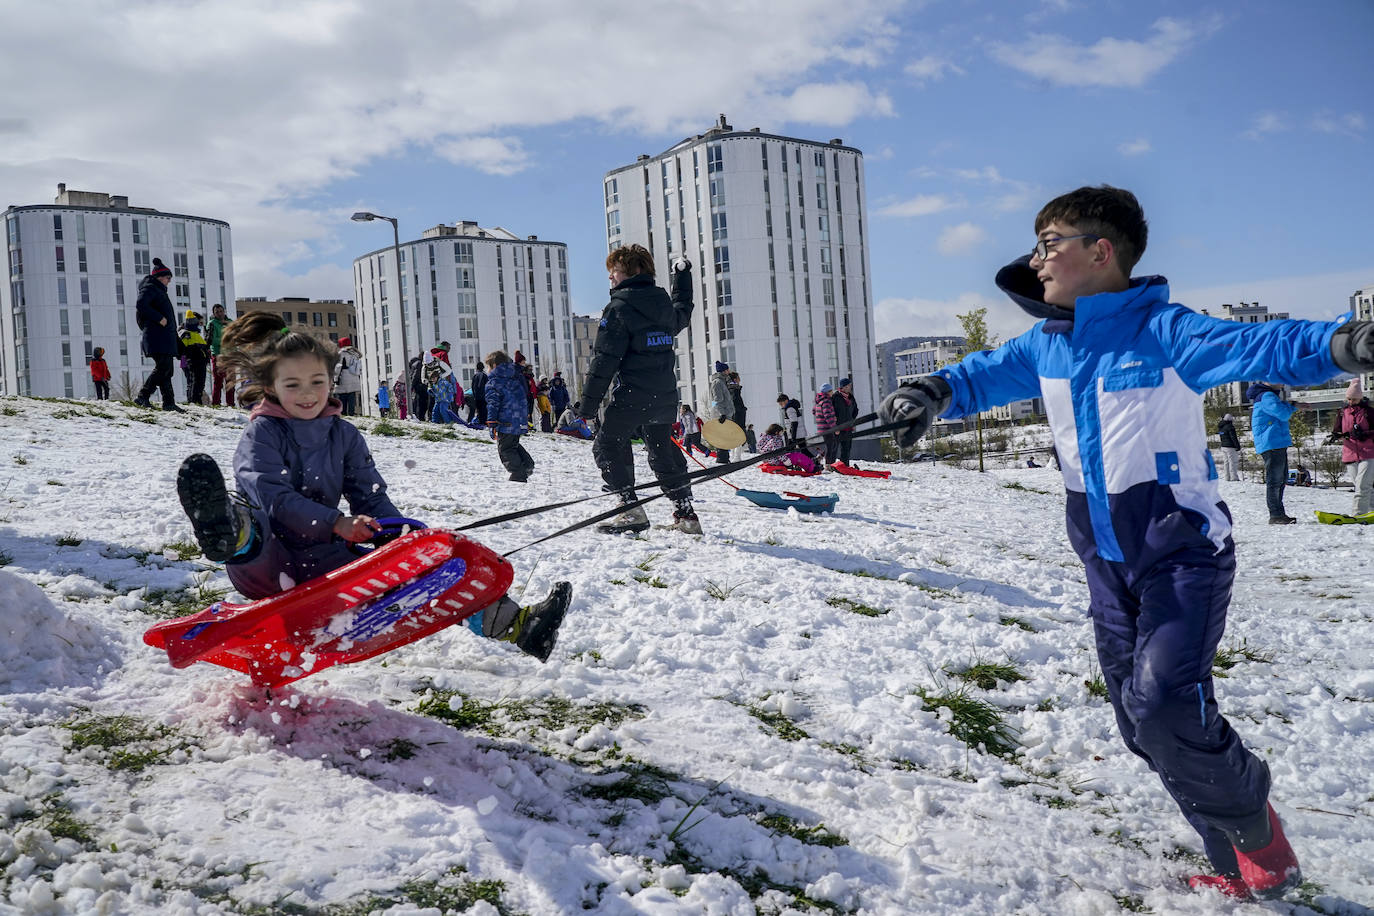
(796, 501)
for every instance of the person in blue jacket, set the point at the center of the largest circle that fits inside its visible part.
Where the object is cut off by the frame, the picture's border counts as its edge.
(1122, 372)
(297, 458)
(1269, 423)
(508, 414)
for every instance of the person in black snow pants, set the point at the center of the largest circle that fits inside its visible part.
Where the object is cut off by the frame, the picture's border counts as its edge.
(1230, 446)
(634, 347)
(158, 322)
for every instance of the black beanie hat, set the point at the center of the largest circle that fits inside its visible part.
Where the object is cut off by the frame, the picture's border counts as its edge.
(160, 269)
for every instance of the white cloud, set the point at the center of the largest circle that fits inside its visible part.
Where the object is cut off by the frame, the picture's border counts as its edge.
(1265, 123)
(931, 69)
(1109, 62)
(920, 205)
(1315, 296)
(960, 239)
(1351, 124)
(1137, 147)
(492, 155)
(269, 105)
(898, 317)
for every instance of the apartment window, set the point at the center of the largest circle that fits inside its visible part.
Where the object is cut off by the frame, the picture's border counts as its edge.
(80, 229)
(613, 223)
(302, 318)
(727, 325)
(717, 189)
(119, 298)
(81, 258)
(723, 297)
(612, 192)
(221, 271)
(462, 252)
(200, 236)
(718, 226)
(200, 263)
(820, 195)
(714, 158)
(723, 259)
(180, 264)
(464, 277)
(85, 291)
(178, 235)
(333, 320)
(57, 226)
(86, 325)
(820, 162)
(67, 355)
(118, 262)
(143, 262)
(61, 260)
(140, 231)
(63, 326)
(823, 225)
(825, 261)
(317, 319)
(114, 229)
(286, 316)
(61, 291)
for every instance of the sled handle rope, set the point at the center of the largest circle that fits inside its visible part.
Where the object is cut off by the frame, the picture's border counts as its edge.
(697, 461)
(692, 477)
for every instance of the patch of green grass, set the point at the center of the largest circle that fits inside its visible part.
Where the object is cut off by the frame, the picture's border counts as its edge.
(68, 540)
(1097, 686)
(1294, 577)
(618, 582)
(986, 675)
(1229, 657)
(146, 417)
(167, 604)
(811, 836)
(436, 435)
(20, 460)
(452, 893)
(652, 581)
(56, 818)
(777, 723)
(1017, 485)
(865, 574)
(1008, 620)
(857, 607)
(646, 564)
(755, 883)
(772, 541)
(975, 722)
(184, 550)
(1045, 705)
(129, 743)
(720, 592)
(387, 428)
(638, 781)
(9, 412)
(56, 483)
(506, 716)
(1131, 903)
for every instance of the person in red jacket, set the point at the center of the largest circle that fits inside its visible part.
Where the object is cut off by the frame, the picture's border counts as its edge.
(100, 375)
(1355, 428)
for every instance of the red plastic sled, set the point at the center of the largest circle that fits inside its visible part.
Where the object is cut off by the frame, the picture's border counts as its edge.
(769, 468)
(841, 468)
(416, 585)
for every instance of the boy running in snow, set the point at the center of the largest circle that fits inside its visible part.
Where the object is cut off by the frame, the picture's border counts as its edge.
(296, 459)
(1122, 372)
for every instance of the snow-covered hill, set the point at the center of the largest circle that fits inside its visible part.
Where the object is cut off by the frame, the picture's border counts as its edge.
(889, 710)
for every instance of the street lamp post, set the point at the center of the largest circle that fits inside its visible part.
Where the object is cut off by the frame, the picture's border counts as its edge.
(363, 216)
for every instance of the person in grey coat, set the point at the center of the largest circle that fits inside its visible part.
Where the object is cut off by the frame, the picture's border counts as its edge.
(297, 458)
(722, 403)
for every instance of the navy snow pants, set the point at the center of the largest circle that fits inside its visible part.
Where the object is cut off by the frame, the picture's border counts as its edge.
(1157, 631)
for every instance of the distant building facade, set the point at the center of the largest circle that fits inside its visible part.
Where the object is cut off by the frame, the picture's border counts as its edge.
(584, 337)
(886, 362)
(926, 356)
(777, 229)
(1362, 304)
(479, 289)
(74, 269)
(327, 319)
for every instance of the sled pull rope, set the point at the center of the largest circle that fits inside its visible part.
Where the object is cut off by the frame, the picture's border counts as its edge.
(706, 474)
(688, 452)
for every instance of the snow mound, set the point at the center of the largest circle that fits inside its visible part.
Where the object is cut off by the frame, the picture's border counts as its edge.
(40, 647)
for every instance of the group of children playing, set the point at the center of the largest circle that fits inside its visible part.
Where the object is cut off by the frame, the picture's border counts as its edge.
(1121, 371)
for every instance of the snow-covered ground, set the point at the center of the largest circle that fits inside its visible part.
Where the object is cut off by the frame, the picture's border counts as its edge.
(745, 722)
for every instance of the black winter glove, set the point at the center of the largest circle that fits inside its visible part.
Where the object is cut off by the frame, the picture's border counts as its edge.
(918, 403)
(682, 275)
(1352, 346)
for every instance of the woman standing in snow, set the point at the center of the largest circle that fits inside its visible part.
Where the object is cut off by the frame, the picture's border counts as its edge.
(1355, 428)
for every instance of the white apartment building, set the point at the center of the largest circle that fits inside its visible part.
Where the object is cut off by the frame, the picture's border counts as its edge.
(776, 228)
(926, 357)
(1362, 304)
(479, 289)
(74, 270)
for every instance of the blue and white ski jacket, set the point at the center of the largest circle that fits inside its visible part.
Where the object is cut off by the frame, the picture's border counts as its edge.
(1122, 377)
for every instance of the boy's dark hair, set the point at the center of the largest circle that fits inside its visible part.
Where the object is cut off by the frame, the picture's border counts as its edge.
(632, 260)
(1112, 213)
(261, 369)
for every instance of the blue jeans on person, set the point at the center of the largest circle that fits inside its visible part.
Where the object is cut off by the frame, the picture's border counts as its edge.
(1275, 479)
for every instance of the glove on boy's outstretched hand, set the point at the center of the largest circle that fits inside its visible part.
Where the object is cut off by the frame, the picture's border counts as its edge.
(917, 403)
(1352, 346)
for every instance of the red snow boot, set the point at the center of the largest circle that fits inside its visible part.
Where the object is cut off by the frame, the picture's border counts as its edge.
(1272, 871)
(1230, 887)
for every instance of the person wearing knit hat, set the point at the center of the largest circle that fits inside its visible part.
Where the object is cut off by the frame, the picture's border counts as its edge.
(157, 319)
(195, 356)
(1354, 426)
(722, 403)
(823, 411)
(722, 367)
(846, 412)
(1230, 447)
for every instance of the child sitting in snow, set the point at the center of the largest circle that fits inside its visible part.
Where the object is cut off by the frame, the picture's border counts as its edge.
(772, 438)
(296, 459)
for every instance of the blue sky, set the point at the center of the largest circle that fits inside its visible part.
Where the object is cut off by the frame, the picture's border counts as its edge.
(1244, 127)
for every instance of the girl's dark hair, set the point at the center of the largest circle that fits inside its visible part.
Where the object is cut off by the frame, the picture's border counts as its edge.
(261, 368)
(772, 430)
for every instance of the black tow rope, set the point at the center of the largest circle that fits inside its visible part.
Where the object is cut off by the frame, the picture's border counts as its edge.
(687, 479)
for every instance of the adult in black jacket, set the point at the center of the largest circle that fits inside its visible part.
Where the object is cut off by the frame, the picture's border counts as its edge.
(634, 348)
(846, 410)
(1230, 447)
(737, 399)
(479, 393)
(158, 321)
